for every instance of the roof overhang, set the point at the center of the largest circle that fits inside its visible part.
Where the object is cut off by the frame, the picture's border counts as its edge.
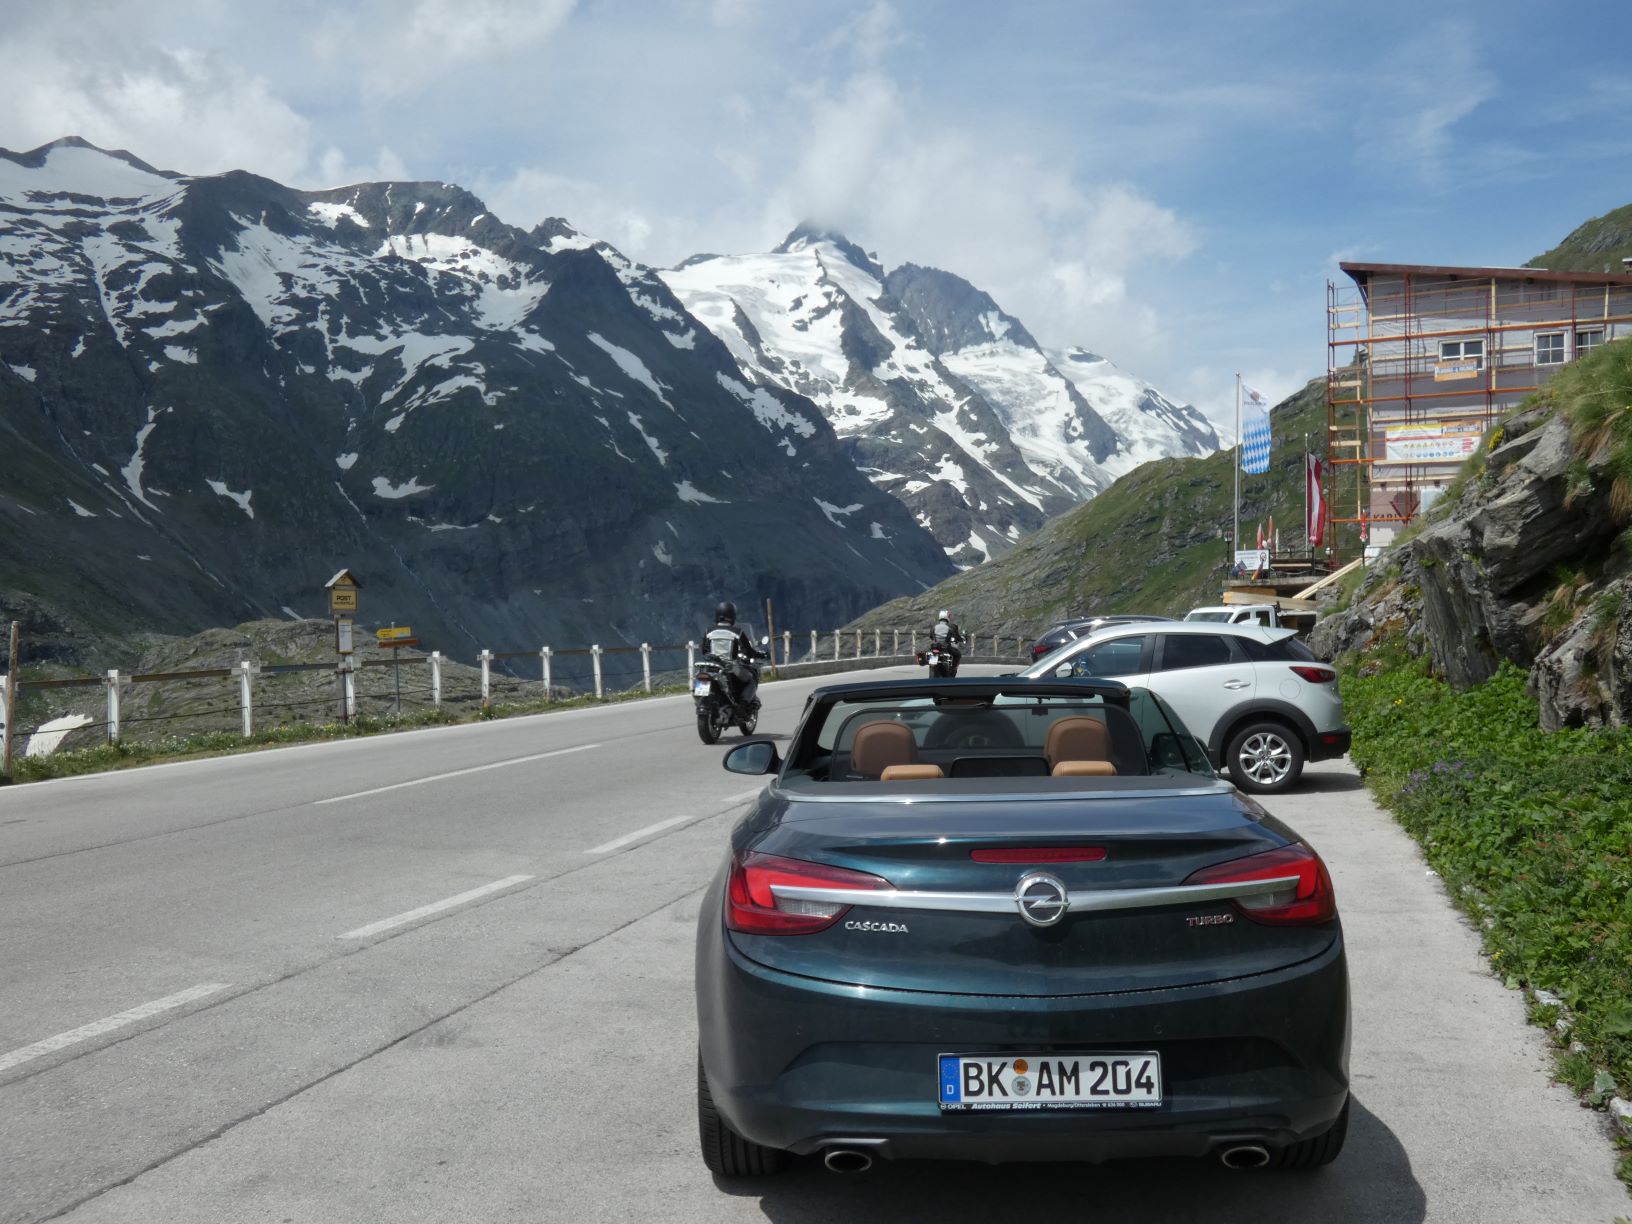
(1362, 273)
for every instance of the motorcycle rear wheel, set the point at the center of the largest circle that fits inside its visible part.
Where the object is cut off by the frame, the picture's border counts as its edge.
(707, 729)
(748, 724)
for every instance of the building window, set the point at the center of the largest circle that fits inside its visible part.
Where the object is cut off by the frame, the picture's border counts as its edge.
(1587, 340)
(1463, 350)
(1549, 348)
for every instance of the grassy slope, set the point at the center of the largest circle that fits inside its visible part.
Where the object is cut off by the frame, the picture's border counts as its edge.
(1149, 543)
(1594, 246)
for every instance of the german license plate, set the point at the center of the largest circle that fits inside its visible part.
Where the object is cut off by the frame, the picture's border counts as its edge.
(1030, 1082)
(701, 688)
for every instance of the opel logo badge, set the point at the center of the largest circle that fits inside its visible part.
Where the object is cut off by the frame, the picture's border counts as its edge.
(1041, 898)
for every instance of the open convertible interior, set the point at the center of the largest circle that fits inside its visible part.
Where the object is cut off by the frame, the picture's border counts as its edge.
(923, 738)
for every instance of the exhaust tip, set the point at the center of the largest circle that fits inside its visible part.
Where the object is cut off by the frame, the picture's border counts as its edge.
(847, 1160)
(1244, 1156)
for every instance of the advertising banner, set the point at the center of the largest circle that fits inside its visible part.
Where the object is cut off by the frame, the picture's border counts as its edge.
(1431, 441)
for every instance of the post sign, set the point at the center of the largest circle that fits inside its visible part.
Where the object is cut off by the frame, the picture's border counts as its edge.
(393, 634)
(343, 588)
(342, 636)
(1431, 441)
(1453, 370)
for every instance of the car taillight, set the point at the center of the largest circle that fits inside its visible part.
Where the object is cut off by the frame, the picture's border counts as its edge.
(1306, 900)
(753, 909)
(1315, 675)
(1039, 854)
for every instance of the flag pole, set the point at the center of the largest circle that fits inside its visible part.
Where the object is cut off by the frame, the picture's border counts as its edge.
(1236, 538)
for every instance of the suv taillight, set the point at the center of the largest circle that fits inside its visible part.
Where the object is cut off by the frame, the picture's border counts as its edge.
(1314, 675)
(1307, 901)
(753, 909)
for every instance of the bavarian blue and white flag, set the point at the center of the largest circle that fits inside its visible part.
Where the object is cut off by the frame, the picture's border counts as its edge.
(1254, 431)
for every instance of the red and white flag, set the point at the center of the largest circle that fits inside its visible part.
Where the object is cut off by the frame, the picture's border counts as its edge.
(1314, 473)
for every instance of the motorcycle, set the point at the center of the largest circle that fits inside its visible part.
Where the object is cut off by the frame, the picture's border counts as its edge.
(716, 708)
(941, 664)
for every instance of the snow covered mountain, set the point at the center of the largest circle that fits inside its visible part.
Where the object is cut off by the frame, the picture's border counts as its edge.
(946, 401)
(215, 391)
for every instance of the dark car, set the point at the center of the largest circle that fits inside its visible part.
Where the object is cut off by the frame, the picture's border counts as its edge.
(1065, 631)
(1009, 919)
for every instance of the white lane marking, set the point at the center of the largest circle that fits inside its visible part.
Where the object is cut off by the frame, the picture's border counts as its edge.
(97, 1027)
(435, 907)
(618, 843)
(454, 773)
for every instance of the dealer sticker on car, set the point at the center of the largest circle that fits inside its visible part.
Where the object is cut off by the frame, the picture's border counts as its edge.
(1050, 1081)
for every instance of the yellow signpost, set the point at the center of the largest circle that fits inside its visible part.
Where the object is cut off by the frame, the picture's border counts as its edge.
(394, 633)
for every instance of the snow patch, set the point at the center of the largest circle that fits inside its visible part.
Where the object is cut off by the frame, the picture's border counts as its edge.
(50, 735)
(690, 494)
(22, 371)
(344, 462)
(391, 492)
(633, 367)
(220, 488)
(330, 214)
(662, 554)
(291, 613)
(829, 509)
(80, 510)
(651, 442)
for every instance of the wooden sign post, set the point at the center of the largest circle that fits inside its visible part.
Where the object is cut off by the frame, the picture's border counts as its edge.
(342, 589)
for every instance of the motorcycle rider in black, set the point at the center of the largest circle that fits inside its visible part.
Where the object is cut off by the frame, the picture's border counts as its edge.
(733, 647)
(949, 638)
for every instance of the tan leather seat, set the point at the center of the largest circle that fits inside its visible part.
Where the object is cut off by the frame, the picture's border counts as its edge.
(911, 773)
(1077, 739)
(1084, 769)
(879, 745)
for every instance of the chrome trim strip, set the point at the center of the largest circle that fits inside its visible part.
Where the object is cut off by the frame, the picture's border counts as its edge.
(1098, 900)
(910, 798)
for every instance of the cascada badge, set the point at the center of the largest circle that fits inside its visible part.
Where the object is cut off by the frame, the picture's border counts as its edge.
(882, 928)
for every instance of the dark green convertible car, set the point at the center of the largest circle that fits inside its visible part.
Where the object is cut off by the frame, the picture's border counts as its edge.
(1010, 919)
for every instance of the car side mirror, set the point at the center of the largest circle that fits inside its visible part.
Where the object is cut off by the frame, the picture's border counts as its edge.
(756, 757)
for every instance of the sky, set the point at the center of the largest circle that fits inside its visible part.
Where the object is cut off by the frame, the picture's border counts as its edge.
(1170, 185)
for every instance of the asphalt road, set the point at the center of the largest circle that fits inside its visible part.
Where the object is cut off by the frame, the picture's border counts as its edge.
(446, 975)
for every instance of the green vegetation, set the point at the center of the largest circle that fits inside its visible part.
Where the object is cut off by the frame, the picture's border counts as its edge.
(1598, 245)
(1531, 832)
(1595, 395)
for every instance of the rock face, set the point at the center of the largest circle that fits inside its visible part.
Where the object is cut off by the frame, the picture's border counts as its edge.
(216, 391)
(1521, 567)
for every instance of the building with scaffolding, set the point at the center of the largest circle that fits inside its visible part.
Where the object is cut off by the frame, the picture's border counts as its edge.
(1422, 361)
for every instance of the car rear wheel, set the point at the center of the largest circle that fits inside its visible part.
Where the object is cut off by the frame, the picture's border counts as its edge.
(1264, 757)
(1321, 1150)
(726, 1153)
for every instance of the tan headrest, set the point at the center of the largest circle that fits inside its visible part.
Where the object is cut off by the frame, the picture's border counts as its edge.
(1077, 739)
(878, 745)
(910, 773)
(1084, 769)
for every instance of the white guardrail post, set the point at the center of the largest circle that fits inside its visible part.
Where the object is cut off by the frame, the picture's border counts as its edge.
(544, 656)
(914, 642)
(878, 642)
(351, 687)
(646, 665)
(895, 643)
(487, 675)
(787, 646)
(813, 645)
(246, 694)
(691, 660)
(595, 660)
(858, 643)
(436, 679)
(836, 637)
(112, 681)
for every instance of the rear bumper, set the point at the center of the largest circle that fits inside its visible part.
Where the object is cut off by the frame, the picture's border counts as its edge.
(800, 1064)
(1328, 745)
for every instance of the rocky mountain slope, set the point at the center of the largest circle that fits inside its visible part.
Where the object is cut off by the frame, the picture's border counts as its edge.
(216, 391)
(1527, 559)
(1155, 541)
(946, 401)
(1598, 245)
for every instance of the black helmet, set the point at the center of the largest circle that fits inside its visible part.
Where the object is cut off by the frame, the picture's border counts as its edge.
(725, 613)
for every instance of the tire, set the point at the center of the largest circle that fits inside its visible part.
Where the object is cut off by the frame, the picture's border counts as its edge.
(726, 1153)
(1319, 1151)
(748, 724)
(707, 729)
(1264, 758)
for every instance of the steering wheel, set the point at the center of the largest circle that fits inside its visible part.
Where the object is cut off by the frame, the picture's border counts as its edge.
(986, 730)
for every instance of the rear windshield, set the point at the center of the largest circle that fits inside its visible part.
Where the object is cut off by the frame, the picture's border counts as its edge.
(925, 739)
(1221, 617)
(1287, 650)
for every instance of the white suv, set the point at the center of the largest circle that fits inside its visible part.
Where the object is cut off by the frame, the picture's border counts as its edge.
(1255, 696)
